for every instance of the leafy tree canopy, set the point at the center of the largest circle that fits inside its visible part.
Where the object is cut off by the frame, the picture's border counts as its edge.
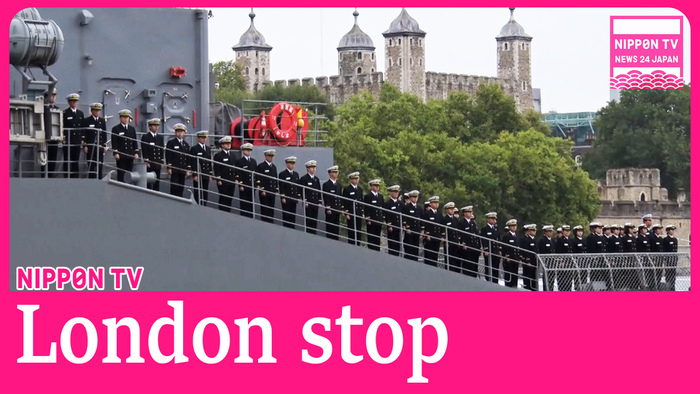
(476, 151)
(647, 128)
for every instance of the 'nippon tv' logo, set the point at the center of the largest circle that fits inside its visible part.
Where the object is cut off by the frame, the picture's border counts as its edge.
(646, 52)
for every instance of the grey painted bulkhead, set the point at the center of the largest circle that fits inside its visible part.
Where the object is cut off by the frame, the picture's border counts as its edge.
(184, 247)
(122, 57)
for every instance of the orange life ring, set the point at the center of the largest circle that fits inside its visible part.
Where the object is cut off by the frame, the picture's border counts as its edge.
(282, 121)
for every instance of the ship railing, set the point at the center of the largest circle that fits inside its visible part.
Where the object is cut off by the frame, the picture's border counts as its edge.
(440, 246)
(616, 271)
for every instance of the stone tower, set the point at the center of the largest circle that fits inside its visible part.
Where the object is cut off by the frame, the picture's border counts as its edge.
(253, 54)
(514, 58)
(405, 55)
(356, 52)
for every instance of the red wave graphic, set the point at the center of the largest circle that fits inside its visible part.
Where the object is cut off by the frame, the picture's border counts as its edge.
(635, 79)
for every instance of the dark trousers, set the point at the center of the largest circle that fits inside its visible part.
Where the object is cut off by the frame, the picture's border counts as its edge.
(530, 274)
(600, 272)
(454, 261)
(51, 158)
(410, 245)
(470, 262)
(671, 264)
(124, 164)
(246, 200)
(374, 235)
(267, 206)
(355, 230)
(631, 275)
(226, 190)
(510, 267)
(651, 272)
(332, 228)
(565, 276)
(431, 249)
(203, 182)
(96, 158)
(393, 235)
(492, 263)
(154, 168)
(289, 210)
(71, 159)
(311, 218)
(177, 182)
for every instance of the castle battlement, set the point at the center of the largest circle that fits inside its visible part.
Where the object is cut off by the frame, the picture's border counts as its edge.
(405, 66)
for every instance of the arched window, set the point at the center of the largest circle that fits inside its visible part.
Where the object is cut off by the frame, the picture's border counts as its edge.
(263, 71)
(359, 55)
(247, 71)
(399, 41)
(642, 197)
(420, 61)
(410, 61)
(524, 86)
(505, 46)
(372, 71)
(399, 61)
(372, 55)
(359, 70)
(411, 41)
(390, 42)
(420, 42)
(256, 71)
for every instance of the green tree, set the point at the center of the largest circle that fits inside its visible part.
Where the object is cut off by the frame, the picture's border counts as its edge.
(647, 128)
(298, 94)
(518, 172)
(231, 84)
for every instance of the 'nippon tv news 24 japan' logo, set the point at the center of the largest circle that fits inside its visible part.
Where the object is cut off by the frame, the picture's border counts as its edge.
(646, 52)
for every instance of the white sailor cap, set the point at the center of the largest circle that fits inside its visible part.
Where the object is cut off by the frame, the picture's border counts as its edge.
(375, 182)
(225, 140)
(547, 227)
(559, 229)
(565, 227)
(247, 146)
(333, 169)
(434, 199)
(647, 216)
(354, 175)
(180, 126)
(290, 159)
(578, 227)
(202, 133)
(629, 225)
(96, 106)
(73, 97)
(657, 225)
(492, 215)
(511, 222)
(414, 193)
(394, 188)
(533, 226)
(155, 121)
(670, 227)
(269, 152)
(595, 224)
(125, 112)
(468, 208)
(310, 163)
(449, 205)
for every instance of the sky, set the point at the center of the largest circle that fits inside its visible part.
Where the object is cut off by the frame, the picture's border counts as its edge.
(570, 46)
